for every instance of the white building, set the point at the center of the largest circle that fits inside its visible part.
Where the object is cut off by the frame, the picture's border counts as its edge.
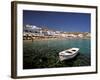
(31, 28)
(38, 31)
(88, 35)
(80, 35)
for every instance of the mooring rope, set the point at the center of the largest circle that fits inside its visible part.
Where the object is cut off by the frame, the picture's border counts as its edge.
(55, 63)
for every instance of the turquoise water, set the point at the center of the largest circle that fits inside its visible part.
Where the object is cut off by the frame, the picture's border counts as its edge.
(44, 54)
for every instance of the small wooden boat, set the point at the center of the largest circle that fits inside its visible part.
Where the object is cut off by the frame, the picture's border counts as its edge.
(68, 54)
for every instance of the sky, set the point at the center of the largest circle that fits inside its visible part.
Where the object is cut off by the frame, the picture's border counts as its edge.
(59, 21)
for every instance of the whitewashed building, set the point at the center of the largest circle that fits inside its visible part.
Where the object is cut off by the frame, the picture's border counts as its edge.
(38, 31)
(80, 35)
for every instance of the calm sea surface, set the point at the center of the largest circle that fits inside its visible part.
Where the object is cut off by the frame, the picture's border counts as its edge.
(44, 54)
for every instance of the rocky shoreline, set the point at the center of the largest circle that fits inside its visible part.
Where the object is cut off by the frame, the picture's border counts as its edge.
(42, 39)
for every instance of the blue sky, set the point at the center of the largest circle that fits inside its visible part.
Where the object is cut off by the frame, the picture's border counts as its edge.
(61, 21)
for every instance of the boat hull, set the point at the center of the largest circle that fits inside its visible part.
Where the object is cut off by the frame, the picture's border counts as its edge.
(62, 57)
(67, 57)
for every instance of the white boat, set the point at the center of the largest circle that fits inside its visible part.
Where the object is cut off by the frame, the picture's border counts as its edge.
(68, 54)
